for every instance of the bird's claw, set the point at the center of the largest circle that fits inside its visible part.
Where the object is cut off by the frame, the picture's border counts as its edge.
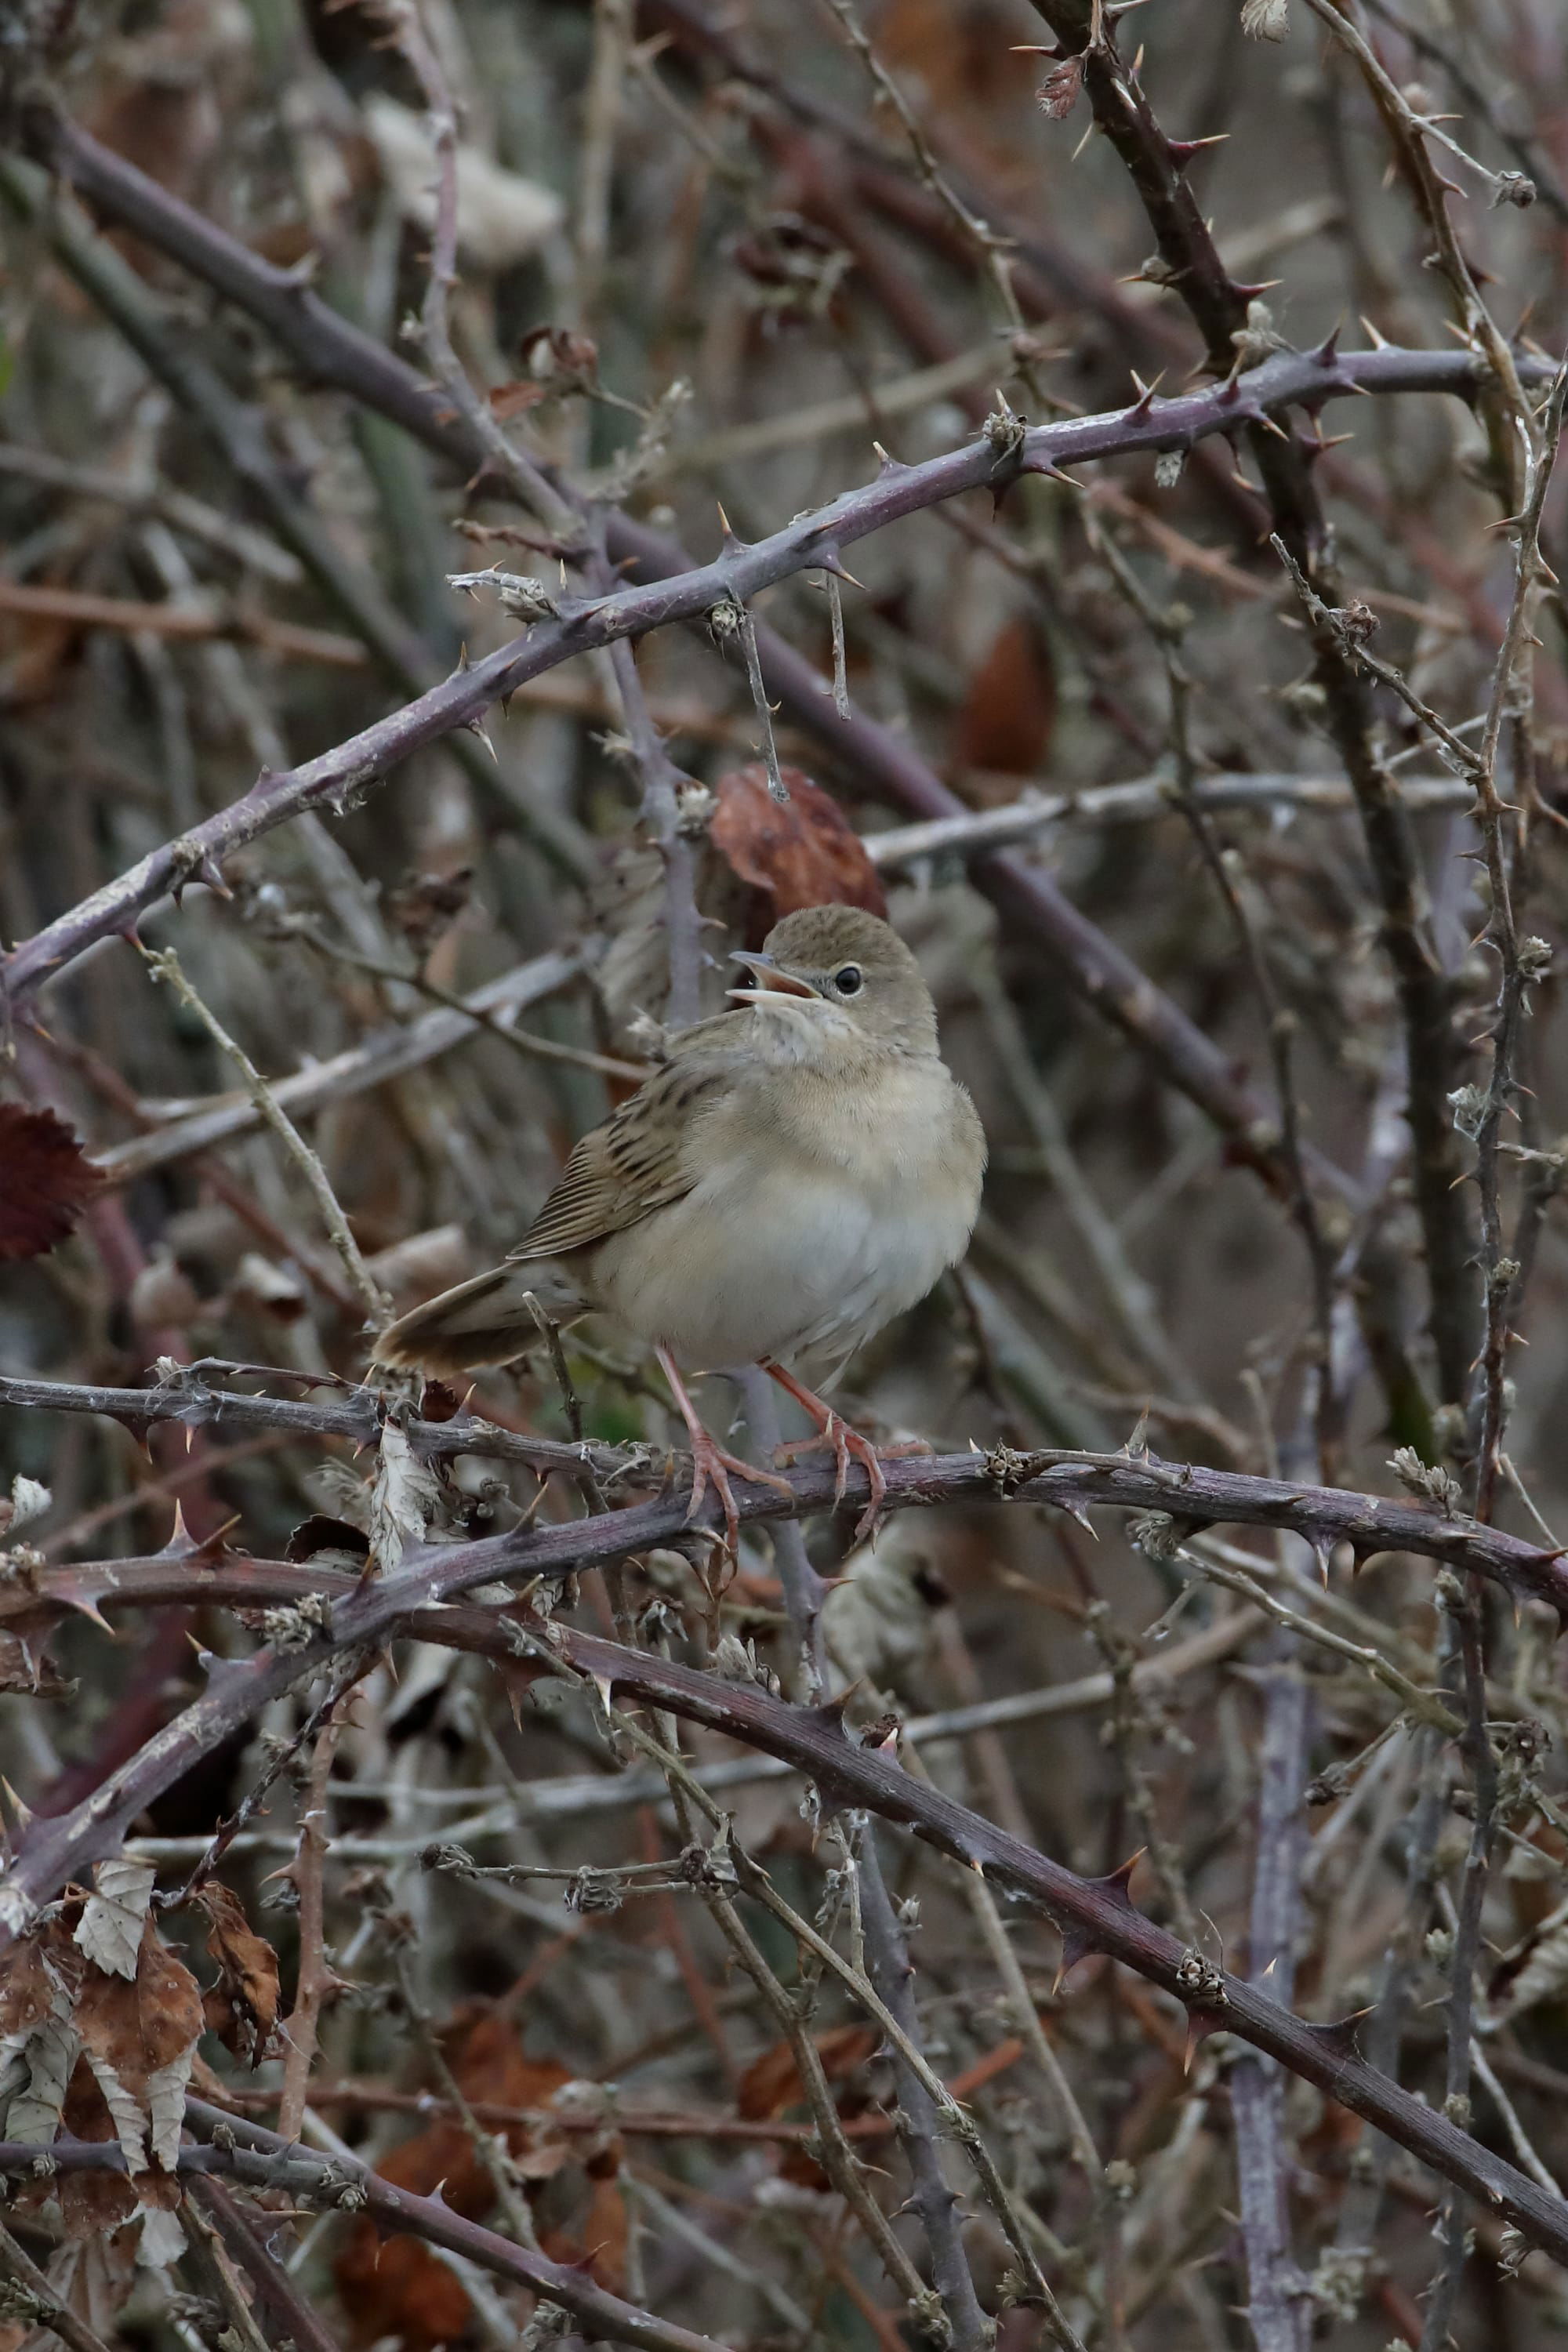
(712, 1467)
(848, 1444)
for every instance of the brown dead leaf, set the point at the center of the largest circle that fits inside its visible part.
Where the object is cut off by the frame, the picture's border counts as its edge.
(771, 2083)
(24, 1666)
(799, 853)
(507, 400)
(242, 2007)
(91, 2203)
(397, 2287)
(1010, 711)
(599, 2239)
(37, 1966)
(45, 1181)
(1058, 92)
(140, 2038)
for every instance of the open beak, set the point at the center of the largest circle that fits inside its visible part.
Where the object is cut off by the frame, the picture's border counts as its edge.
(768, 980)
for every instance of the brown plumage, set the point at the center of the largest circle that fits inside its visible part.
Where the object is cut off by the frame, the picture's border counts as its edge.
(800, 1171)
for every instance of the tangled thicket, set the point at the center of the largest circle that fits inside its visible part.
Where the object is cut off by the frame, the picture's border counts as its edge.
(501, 499)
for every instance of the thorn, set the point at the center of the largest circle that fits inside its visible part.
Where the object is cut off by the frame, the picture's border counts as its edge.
(1379, 342)
(1054, 473)
(180, 1539)
(474, 728)
(829, 559)
(1114, 1883)
(888, 465)
(830, 1716)
(1327, 350)
(1145, 400)
(1339, 2036)
(1181, 150)
(84, 1605)
(24, 1812)
(1269, 426)
(1083, 143)
(1201, 2023)
(1076, 1947)
(732, 546)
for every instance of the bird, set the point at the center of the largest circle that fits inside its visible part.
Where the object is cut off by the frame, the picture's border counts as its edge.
(801, 1169)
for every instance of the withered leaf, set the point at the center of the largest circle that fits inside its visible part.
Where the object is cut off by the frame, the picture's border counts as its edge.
(799, 853)
(242, 2009)
(1009, 712)
(24, 1667)
(140, 2038)
(513, 399)
(397, 2287)
(91, 2202)
(1058, 92)
(321, 1533)
(113, 1914)
(771, 2083)
(45, 1181)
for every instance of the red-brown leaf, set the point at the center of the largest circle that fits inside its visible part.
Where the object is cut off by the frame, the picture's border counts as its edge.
(1009, 712)
(513, 399)
(799, 853)
(1058, 92)
(45, 1181)
(772, 2081)
(242, 2008)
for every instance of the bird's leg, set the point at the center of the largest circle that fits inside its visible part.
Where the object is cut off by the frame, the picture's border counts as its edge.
(847, 1443)
(710, 1464)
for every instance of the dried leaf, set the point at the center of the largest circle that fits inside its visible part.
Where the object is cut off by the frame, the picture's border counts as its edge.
(1009, 713)
(45, 1181)
(509, 400)
(39, 1979)
(91, 2203)
(403, 1500)
(166, 2107)
(162, 2241)
(24, 1667)
(112, 1917)
(1266, 20)
(771, 2083)
(600, 2237)
(51, 2054)
(1058, 92)
(799, 853)
(139, 2039)
(28, 1501)
(242, 2009)
(320, 1536)
(125, 2113)
(397, 2287)
(502, 219)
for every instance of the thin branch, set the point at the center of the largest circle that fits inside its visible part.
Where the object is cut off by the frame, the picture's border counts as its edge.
(315, 1981)
(164, 965)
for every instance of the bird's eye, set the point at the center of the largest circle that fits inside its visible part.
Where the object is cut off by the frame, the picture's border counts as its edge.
(848, 980)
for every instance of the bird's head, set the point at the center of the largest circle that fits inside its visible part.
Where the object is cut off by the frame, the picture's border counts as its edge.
(839, 970)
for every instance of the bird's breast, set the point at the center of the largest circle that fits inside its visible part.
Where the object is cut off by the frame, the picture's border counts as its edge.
(822, 1213)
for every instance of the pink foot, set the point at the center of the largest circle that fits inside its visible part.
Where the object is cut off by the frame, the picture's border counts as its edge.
(846, 1444)
(712, 1465)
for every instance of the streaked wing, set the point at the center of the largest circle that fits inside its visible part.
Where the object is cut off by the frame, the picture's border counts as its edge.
(639, 1161)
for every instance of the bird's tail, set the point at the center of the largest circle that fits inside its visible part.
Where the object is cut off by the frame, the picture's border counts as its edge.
(488, 1320)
